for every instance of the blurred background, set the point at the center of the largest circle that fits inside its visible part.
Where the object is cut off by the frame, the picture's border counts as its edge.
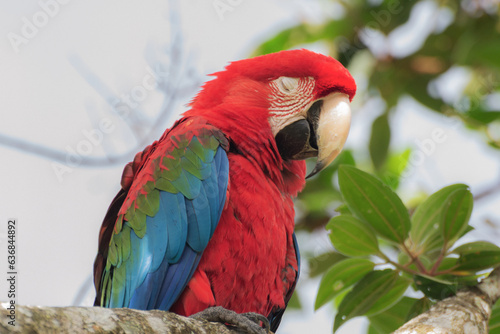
(86, 85)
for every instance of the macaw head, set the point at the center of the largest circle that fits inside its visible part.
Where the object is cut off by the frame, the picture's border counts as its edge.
(298, 98)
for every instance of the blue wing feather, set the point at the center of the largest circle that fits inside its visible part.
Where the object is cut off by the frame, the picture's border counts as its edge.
(199, 229)
(163, 261)
(174, 207)
(177, 278)
(216, 186)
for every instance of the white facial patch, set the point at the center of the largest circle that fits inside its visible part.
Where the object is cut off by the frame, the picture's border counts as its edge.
(290, 95)
(289, 99)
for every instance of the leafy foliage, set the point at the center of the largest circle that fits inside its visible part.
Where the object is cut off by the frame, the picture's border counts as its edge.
(379, 141)
(423, 244)
(342, 276)
(367, 196)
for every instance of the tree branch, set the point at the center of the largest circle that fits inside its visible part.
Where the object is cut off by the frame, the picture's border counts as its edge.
(467, 312)
(33, 319)
(495, 188)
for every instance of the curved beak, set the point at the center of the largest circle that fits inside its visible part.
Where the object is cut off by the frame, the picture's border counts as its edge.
(321, 130)
(332, 129)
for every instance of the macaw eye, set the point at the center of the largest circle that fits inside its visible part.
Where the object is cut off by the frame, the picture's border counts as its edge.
(287, 84)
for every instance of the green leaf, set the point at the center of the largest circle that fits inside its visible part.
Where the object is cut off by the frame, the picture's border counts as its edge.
(391, 297)
(494, 326)
(339, 298)
(464, 278)
(393, 318)
(447, 263)
(483, 115)
(373, 330)
(343, 209)
(434, 287)
(456, 213)
(375, 203)
(467, 230)
(321, 263)
(341, 276)
(379, 141)
(395, 166)
(433, 247)
(437, 279)
(425, 233)
(475, 248)
(364, 295)
(420, 306)
(478, 260)
(352, 237)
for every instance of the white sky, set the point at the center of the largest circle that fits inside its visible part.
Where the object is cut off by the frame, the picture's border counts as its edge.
(45, 100)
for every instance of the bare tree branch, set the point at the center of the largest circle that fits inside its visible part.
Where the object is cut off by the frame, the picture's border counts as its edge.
(74, 320)
(60, 156)
(180, 79)
(85, 290)
(466, 313)
(493, 189)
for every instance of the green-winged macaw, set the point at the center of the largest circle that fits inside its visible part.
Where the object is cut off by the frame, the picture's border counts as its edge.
(205, 215)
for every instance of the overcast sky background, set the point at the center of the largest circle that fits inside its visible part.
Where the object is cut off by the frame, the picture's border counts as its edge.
(46, 100)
